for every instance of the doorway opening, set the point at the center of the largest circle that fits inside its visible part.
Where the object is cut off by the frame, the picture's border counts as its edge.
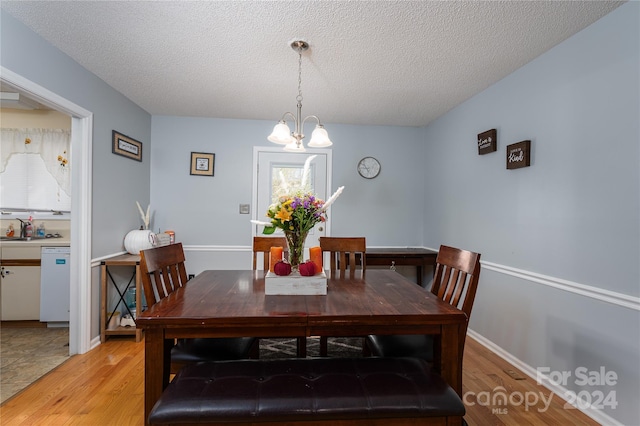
(81, 182)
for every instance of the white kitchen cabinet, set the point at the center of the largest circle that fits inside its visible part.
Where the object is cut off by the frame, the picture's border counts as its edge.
(20, 293)
(20, 283)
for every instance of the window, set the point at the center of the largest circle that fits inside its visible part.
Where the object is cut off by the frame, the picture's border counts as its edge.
(285, 176)
(27, 184)
(35, 169)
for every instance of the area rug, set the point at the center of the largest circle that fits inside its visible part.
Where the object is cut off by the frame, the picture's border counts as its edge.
(286, 348)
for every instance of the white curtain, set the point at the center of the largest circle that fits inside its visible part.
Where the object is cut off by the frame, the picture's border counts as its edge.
(53, 146)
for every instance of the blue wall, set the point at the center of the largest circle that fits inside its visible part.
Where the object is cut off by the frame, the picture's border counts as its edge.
(204, 211)
(117, 181)
(560, 240)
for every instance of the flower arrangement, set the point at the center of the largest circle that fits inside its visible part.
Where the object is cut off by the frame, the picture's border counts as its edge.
(296, 212)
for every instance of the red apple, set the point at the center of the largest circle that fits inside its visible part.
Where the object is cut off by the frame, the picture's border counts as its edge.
(282, 268)
(307, 268)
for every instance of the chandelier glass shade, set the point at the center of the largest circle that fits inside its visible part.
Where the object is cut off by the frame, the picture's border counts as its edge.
(292, 140)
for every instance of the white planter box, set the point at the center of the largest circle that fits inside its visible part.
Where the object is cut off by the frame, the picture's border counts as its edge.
(295, 284)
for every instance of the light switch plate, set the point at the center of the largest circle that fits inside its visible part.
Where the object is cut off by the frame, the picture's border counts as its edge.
(245, 209)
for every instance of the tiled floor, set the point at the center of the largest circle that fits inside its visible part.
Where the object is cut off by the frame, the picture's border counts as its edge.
(26, 354)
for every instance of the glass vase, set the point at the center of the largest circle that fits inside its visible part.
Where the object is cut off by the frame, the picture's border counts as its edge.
(295, 241)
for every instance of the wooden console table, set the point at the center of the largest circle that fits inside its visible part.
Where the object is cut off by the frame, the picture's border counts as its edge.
(105, 276)
(409, 256)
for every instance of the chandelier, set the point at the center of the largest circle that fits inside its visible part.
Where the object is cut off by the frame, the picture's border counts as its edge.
(293, 140)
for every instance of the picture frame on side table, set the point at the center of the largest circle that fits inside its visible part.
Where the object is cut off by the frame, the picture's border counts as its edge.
(202, 163)
(126, 146)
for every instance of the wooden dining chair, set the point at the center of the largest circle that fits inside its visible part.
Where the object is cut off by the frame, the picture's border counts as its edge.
(263, 245)
(455, 281)
(163, 272)
(344, 253)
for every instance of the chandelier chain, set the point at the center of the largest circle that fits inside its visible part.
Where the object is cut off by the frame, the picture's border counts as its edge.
(299, 97)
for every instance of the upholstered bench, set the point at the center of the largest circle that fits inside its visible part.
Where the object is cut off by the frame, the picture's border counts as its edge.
(385, 391)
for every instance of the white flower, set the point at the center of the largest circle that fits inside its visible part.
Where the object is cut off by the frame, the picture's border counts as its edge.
(145, 217)
(283, 184)
(305, 172)
(333, 198)
(258, 222)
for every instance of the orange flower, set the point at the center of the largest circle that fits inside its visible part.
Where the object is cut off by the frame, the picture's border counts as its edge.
(284, 215)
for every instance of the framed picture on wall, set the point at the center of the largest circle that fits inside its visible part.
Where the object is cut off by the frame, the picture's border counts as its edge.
(202, 163)
(487, 142)
(519, 155)
(126, 146)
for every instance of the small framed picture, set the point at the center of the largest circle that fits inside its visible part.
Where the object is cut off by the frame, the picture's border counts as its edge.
(126, 146)
(202, 163)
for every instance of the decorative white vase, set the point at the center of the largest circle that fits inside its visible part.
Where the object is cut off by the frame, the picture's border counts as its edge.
(139, 239)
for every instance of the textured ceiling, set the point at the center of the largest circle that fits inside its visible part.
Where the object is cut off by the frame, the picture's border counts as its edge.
(384, 62)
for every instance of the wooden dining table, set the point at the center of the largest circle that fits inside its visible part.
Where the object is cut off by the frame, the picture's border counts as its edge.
(232, 303)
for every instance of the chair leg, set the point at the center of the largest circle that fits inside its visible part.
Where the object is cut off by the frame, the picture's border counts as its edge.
(324, 351)
(254, 351)
(302, 347)
(366, 350)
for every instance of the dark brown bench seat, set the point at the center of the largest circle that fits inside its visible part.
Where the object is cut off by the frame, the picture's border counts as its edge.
(386, 391)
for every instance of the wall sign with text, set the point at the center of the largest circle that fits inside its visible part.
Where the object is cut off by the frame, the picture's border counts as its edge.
(518, 155)
(487, 142)
(126, 146)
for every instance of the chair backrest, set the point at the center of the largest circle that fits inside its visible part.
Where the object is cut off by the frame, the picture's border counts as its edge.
(456, 277)
(162, 271)
(263, 245)
(343, 251)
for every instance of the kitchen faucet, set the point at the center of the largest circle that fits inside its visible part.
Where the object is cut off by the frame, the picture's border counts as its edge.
(24, 225)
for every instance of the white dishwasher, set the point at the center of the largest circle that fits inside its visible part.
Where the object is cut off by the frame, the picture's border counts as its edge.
(55, 284)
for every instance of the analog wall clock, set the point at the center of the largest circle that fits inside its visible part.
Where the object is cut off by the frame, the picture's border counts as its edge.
(369, 167)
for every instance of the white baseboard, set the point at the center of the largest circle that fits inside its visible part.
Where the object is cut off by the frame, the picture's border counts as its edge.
(95, 342)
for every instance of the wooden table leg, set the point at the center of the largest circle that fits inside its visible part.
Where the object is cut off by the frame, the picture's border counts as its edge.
(301, 346)
(138, 300)
(103, 303)
(451, 356)
(156, 367)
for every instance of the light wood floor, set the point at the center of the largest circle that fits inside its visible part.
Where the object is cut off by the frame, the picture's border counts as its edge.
(105, 387)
